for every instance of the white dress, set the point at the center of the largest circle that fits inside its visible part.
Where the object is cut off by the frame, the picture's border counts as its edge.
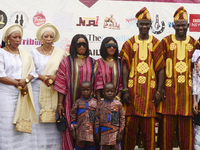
(11, 66)
(196, 91)
(48, 137)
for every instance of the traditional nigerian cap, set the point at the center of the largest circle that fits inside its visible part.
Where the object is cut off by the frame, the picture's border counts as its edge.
(181, 14)
(143, 14)
(47, 27)
(10, 29)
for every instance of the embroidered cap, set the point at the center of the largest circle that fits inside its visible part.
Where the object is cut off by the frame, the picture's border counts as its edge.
(143, 14)
(181, 14)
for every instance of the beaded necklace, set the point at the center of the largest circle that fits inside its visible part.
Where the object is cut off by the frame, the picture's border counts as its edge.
(196, 66)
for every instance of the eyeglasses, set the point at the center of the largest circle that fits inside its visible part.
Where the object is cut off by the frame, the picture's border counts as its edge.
(108, 45)
(81, 44)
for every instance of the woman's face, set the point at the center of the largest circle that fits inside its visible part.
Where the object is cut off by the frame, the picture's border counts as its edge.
(15, 39)
(81, 46)
(48, 38)
(111, 47)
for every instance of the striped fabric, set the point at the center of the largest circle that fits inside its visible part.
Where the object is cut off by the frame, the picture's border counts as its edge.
(68, 80)
(110, 74)
(178, 85)
(147, 131)
(184, 129)
(144, 59)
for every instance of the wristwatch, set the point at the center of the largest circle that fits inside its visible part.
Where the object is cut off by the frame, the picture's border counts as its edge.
(27, 80)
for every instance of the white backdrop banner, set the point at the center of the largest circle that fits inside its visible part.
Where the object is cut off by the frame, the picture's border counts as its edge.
(96, 19)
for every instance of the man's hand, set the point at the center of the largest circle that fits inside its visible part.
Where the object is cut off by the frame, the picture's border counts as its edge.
(157, 98)
(126, 98)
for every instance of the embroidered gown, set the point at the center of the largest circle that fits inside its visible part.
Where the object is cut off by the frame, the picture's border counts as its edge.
(11, 66)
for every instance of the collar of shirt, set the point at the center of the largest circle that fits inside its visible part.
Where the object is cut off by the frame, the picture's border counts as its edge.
(108, 101)
(86, 100)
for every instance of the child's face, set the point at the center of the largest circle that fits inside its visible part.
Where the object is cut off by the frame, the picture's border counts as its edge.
(86, 90)
(109, 92)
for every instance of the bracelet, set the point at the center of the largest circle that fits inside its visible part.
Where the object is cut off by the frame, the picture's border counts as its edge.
(60, 104)
(124, 90)
(118, 98)
(158, 93)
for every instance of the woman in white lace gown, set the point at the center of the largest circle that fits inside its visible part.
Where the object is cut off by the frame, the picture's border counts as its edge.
(196, 97)
(47, 59)
(11, 71)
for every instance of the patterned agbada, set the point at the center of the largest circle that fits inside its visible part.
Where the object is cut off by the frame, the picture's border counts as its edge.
(68, 80)
(83, 116)
(144, 59)
(178, 83)
(110, 74)
(110, 119)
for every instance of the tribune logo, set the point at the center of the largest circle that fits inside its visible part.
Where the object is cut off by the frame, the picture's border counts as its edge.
(194, 23)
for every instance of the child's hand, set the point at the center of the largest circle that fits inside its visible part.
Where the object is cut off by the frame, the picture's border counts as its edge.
(73, 133)
(119, 137)
(97, 138)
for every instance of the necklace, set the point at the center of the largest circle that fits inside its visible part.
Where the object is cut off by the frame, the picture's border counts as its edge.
(111, 59)
(49, 51)
(196, 66)
(81, 56)
(12, 51)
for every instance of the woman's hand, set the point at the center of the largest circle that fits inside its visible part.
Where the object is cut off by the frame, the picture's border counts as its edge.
(60, 110)
(195, 107)
(119, 137)
(24, 91)
(49, 80)
(22, 82)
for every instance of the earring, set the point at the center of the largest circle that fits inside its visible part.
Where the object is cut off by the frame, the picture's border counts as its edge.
(42, 43)
(53, 43)
(8, 42)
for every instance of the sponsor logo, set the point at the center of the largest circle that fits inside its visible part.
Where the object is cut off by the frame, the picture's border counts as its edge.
(19, 18)
(121, 38)
(88, 21)
(94, 38)
(30, 41)
(110, 23)
(194, 23)
(39, 19)
(94, 52)
(3, 19)
(157, 27)
(131, 22)
(170, 24)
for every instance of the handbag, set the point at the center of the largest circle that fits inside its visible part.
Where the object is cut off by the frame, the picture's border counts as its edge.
(61, 123)
(48, 116)
(23, 125)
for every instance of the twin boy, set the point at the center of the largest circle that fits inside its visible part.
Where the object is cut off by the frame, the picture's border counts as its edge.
(97, 122)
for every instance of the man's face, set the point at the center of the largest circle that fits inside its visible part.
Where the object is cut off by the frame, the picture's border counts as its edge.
(181, 27)
(144, 26)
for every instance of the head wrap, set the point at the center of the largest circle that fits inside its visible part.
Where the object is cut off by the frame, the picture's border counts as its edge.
(47, 27)
(181, 14)
(10, 29)
(143, 14)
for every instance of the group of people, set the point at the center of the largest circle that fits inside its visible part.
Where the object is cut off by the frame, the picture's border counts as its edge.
(107, 101)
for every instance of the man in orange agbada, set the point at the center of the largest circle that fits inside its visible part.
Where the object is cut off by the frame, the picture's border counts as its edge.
(143, 59)
(176, 110)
